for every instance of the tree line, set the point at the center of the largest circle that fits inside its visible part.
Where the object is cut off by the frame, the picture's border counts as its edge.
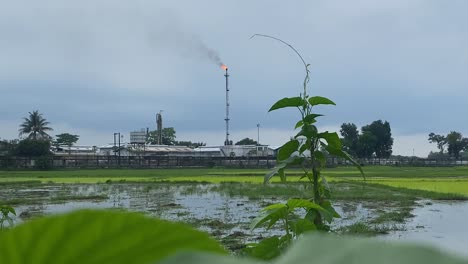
(374, 140)
(36, 141)
(371, 141)
(453, 141)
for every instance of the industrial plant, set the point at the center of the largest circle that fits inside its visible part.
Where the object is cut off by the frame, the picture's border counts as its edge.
(138, 144)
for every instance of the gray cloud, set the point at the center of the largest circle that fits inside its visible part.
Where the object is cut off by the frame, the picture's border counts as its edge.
(107, 65)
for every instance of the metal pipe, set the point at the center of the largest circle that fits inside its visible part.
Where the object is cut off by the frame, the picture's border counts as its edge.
(226, 142)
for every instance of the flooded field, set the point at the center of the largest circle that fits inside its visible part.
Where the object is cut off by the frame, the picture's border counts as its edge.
(438, 223)
(226, 210)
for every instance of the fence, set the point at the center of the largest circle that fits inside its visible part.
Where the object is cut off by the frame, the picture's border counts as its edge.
(77, 162)
(99, 161)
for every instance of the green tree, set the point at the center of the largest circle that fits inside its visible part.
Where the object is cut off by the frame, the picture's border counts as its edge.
(66, 139)
(8, 147)
(35, 126)
(246, 141)
(366, 145)
(456, 143)
(440, 140)
(383, 138)
(168, 136)
(33, 148)
(350, 139)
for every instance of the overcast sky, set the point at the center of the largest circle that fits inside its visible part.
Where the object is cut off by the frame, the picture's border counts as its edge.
(95, 67)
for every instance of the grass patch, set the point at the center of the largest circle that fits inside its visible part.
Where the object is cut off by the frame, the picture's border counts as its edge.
(364, 191)
(213, 224)
(366, 229)
(399, 216)
(79, 198)
(19, 201)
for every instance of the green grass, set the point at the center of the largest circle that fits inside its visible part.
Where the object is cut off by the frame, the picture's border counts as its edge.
(400, 172)
(64, 198)
(370, 171)
(366, 229)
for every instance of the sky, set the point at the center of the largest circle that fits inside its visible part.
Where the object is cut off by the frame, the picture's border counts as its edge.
(95, 67)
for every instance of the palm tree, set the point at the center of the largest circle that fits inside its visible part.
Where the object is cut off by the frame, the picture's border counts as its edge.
(36, 126)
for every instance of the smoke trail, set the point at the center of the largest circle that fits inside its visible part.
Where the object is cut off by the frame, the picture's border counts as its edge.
(211, 54)
(172, 36)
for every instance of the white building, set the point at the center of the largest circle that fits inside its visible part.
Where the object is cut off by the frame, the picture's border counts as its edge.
(75, 150)
(236, 151)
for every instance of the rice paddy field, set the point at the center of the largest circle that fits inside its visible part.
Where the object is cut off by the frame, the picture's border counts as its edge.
(428, 204)
(443, 180)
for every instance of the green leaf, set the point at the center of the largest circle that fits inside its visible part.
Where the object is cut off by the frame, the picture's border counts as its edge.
(205, 258)
(99, 237)
(267, 249)
(274, 206)
(310, 119)
(5, 209)
(302, 203)
(287, 102)
(332, 139)
(287, 149)
(318, 155)
(282, 175)
(271, 215)
(305, 146)
(329, 212)
(319, 100)
(326, 187)
(343, 154)
(276, 169)
(299, 124)
(302, 225)
(308, 131)
(329, 249)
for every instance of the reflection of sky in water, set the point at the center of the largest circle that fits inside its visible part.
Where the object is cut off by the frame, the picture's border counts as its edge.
(442, 222)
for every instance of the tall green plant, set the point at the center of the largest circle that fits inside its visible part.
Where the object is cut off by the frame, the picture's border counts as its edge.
(307, 150)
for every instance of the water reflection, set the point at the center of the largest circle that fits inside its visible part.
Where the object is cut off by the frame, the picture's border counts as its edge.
(224, 214)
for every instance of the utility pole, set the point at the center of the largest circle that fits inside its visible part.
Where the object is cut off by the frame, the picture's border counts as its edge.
(159, 126)
(115, 142)
(258, 134)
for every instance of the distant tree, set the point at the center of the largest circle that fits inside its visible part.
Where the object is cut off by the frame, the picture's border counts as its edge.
(456, 143)
(350, 139)
(66, 139)
(168, 136)
(30, 147)
(438, 155)
(8, 147)
(366, 145)
(440, 140)
(35, 126)
(383, 138)
(246, 141)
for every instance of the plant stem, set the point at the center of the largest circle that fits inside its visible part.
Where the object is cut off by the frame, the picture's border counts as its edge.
(315, 176)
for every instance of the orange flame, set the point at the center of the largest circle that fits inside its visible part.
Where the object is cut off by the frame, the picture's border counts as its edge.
(224, 67)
